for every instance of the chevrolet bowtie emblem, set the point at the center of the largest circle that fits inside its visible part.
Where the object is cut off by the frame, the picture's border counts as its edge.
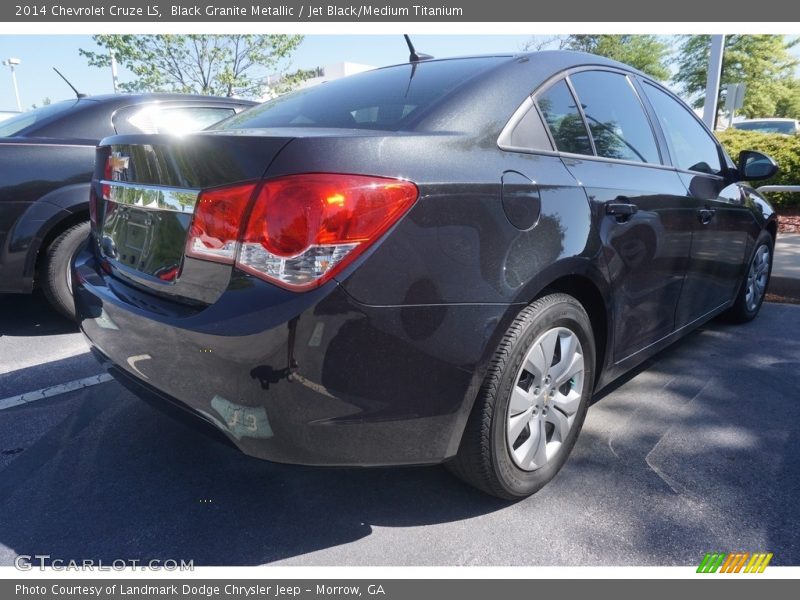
(118, 165)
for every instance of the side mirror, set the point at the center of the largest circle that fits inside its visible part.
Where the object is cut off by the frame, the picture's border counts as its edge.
(754, 166)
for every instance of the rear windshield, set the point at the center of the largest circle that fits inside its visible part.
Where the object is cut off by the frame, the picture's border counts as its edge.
(768, 126)
(383, 99)
(11, 127)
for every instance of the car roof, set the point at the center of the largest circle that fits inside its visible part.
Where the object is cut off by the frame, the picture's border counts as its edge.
(500, 89)
(490, 93)
(558, 60)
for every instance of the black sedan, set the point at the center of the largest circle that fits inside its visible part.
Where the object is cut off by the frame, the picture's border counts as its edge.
(432, 262)
(47, 156)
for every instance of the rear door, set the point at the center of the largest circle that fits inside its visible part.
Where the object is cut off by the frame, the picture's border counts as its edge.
(606, 141)
(720, 220)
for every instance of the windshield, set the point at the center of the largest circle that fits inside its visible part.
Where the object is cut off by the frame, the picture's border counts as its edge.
(14, 125)
(384, 99)
(768, 126)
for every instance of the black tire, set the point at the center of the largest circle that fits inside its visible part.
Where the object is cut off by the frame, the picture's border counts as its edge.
(742, 310)
(484, 458)
(56, 272)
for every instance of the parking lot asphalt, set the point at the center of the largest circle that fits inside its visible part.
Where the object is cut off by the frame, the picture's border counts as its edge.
(698, 451)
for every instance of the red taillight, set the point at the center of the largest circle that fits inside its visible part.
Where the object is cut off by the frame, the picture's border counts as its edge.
(108, 175)
(217, 220)
(105, 189)
(301, 229)
(93, 206)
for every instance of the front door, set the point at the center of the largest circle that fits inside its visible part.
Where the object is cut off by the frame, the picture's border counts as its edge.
(719, 219)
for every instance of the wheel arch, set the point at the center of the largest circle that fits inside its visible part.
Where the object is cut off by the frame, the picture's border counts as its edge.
(577, 277)
(586, 291)
(69, 205)
(772, 228)
(57, 228)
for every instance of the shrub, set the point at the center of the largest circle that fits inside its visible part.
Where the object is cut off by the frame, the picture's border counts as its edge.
(785, 149)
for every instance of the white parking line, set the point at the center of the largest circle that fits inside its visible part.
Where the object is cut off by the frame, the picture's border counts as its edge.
(49, 392)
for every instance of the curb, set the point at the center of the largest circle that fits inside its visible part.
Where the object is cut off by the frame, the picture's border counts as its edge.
(788, 287)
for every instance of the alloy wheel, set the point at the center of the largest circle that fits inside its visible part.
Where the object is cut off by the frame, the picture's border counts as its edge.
(545, 398)
(757, 277)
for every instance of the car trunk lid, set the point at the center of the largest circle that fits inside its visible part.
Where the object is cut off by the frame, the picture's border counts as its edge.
(146, 189)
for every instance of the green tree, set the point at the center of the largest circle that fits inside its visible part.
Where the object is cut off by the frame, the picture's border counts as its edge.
(537, 43)
(788, 105)
(219, 65)
(648, 53)
(45, 102)
(763, 63)
(291, 80)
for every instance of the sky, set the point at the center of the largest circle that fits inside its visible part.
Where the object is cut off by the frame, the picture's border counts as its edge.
(40, 53)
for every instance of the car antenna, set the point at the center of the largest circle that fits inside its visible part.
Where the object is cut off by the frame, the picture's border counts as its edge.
(77, 93)
(414, 56)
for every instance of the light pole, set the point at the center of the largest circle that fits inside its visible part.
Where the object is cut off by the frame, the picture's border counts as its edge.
(114, 78)
(712, 81)
(11, 63)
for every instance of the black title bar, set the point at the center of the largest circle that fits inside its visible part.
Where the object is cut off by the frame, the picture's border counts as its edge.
(386, 589)
(123, 11)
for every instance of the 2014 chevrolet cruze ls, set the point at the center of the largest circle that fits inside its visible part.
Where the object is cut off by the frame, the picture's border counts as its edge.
(435, 261)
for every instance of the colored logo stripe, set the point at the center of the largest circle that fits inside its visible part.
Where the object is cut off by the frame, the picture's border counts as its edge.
(734, 562)
(732, 558)
(711, 562)
(758, 563)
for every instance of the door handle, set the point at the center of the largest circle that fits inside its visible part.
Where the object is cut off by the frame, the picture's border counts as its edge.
(621, 210)
(704, 215)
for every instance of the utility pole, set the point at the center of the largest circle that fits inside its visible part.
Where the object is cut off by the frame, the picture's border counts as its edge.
(114, 78)
(712, 83)
(11, 63)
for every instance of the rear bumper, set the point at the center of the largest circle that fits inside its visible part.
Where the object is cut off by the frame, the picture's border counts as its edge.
(313, 378)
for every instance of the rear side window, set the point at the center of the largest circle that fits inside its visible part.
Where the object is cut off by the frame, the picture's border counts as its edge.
(691, 146)
(14, 125)
(620, 129)
(530, 132)
(561, 113)
(383, 99)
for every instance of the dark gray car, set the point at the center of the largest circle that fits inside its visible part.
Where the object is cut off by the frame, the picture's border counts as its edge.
(431, 262)
(47, 155)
